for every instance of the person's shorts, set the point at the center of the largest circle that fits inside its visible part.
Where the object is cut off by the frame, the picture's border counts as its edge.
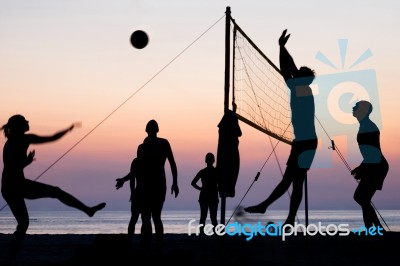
(302, 153)
(373, 174)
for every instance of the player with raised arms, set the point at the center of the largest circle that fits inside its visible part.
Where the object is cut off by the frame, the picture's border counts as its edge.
(305, 139)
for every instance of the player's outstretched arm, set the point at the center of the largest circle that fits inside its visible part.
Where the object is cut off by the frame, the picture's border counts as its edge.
(287, 65)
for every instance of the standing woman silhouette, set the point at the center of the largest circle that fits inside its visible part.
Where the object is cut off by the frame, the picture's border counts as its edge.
(16, 188)
(208, 198)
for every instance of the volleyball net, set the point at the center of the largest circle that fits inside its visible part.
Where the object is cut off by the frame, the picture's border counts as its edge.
(259, 93)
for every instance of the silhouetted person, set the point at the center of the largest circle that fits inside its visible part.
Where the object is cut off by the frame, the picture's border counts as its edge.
(305, 139)
(208, 198)
(373, 169)
(16, 188)
(153, 153)
(136, 191)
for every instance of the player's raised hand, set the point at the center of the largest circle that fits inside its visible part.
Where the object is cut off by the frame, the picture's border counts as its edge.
(283, 39)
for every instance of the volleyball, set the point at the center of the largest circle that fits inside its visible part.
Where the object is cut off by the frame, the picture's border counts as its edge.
(139, 39)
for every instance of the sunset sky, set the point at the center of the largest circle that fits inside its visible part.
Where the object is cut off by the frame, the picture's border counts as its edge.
(66, 61)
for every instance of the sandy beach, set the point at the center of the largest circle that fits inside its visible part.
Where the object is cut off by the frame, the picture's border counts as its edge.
(181, 249)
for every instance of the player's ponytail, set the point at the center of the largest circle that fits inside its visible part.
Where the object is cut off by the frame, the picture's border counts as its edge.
(6, 130)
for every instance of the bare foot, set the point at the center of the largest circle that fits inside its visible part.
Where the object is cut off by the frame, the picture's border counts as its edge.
(256, 209)
(96, 208)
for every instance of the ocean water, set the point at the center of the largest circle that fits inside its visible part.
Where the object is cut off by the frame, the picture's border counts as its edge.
(116, 222)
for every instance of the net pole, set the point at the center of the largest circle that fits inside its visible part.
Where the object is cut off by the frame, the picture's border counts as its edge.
(227, 57)
(226, 92)
(306, 200)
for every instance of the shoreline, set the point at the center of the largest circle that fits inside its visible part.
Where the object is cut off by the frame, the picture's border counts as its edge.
(118, 249)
